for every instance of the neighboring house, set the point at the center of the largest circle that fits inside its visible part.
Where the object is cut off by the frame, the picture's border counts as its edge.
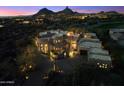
(84, 47)
(99, 58)
(88, 40)
(117, 35)
(92, 48)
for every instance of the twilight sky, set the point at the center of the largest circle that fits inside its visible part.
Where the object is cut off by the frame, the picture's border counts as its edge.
(28, 10)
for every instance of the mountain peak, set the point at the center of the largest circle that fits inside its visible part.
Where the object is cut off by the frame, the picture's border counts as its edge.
(67, 10)
(45, 11)
(67, 7)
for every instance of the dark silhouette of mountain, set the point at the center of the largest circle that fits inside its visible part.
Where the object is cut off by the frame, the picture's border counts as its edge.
(44, 11)
(67, 10)
(113, 12)
(109, 12)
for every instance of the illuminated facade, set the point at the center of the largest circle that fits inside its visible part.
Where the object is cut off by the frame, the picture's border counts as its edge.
(52, 43)
(42, 45)
(59, 47)
(72, 39)
(59, 44)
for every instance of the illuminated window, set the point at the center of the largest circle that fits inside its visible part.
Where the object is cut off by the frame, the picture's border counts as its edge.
(74, 46)
(71, 54)
(85, 36)
(46, 45)
(58, 40)
(106, 66)
(97, 63)
(46, 48)
(36, 43)
(102, 66)
(68, 34)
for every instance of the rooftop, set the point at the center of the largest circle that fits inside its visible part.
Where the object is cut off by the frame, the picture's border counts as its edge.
(117, 30)
(47, 35)
(89, 44)
(88, 40)
(91, 34)
(98, 51)
(100, 57)
(52, 34)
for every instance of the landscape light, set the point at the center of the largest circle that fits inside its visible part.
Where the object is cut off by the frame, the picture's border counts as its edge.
(26, 77)
(30, 66)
